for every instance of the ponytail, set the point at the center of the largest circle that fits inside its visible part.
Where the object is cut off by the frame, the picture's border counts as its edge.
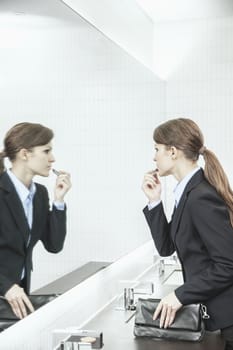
(185, 134)
(2, 166)
(217, 177)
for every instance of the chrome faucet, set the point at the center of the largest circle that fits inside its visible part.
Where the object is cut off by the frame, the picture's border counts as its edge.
(161, 267)
(129, 295)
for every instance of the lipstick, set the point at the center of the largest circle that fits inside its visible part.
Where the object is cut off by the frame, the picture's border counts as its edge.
(56, 172)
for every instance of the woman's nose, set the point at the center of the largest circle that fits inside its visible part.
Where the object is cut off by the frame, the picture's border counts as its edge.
(52, 158)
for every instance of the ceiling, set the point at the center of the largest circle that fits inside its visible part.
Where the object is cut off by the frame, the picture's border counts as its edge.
(176, 10)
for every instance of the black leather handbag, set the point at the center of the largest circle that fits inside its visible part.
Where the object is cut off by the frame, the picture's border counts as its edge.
(8, 318)
(188, 324)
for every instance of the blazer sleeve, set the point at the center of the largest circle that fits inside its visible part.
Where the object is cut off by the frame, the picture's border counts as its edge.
(5, 283)
(211, 221)
(160, 229)
(54, 231)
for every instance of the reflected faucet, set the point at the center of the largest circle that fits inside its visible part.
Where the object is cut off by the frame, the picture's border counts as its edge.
(129, 294)
(161, 267)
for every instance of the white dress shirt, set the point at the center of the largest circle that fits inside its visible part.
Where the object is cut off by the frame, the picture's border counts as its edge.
(178, 190)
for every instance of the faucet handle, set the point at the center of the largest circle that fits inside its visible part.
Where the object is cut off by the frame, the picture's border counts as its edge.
(161, 267)
(129, 299)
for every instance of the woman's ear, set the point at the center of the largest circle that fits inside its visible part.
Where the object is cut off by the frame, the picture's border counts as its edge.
(23, 154)
(173, 152)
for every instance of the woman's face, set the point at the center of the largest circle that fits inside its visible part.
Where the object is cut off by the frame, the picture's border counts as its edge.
(40, 159)
(163, 159)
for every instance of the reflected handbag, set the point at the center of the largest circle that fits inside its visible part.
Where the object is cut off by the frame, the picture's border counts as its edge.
(8, 318)
(188, 324)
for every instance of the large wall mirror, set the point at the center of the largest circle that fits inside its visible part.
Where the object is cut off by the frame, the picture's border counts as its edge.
(102, 104)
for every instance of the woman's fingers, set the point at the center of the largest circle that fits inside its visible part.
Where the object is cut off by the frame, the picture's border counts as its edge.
(28, 303)
(172, 317)
(16, 309)
(157, 310)
(163, 316)
(167, 317)
(18, 301)
(150, 181)
(167, 309)
(63, 184)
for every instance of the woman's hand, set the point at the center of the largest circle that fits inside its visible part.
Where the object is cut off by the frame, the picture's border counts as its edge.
(151, 186)
(63, 184)
(167, 309)
(18, 301)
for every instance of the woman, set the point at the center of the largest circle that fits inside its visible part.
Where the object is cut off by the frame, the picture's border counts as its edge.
(201, 228)
(25, 217)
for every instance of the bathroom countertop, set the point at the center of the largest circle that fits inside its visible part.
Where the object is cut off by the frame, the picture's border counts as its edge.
(117, 325)
(118, 334)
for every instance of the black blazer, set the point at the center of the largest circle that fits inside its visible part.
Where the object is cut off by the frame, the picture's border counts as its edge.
(48, 226)
(201, 233)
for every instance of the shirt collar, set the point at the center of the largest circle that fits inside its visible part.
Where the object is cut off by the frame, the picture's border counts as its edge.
(21, 189)
(179, 189)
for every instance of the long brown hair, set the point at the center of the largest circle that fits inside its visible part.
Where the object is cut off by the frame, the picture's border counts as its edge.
(23, 135)
(184, 134)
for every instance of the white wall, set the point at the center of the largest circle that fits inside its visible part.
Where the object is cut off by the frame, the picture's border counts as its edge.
(198, 57)
(102, 105)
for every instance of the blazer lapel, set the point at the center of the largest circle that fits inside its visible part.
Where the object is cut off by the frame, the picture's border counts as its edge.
(15, 206)
(194, 181)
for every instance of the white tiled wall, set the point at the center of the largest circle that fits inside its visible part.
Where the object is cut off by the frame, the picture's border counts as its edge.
(102, 105)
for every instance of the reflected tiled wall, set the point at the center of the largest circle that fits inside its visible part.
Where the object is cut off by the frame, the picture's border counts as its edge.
(103, 106)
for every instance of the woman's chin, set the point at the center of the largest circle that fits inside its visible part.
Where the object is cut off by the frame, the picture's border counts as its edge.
(44, 173)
